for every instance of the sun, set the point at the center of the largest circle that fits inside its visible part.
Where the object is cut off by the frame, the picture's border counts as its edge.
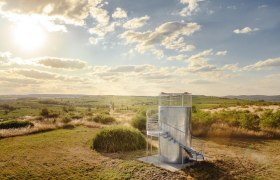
(29, 36)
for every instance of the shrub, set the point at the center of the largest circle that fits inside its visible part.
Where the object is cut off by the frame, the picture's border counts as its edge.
(47, 114)
(66, 119)
(68, 108)
(201, 117)
(104, 119)
(118, 139)
(76, 115)
(270, 119)
(194, 109)
(243, 119)
(15, 124)
(139, 122)
(249, 121)
(7, 108)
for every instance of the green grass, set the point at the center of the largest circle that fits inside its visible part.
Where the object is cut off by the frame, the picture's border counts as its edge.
(119, 139)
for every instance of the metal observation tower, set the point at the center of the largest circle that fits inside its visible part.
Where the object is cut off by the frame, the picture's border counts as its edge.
(171, 124)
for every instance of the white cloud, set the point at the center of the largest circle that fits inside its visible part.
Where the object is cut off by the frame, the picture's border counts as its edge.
(101, 15)
(70, 12)
(119, 13)
(167, 35)
(221, 53)
(101, 30)
(199, 62)
(180, 57)
(62, 63)
(245, 30)
(192, 6)
(260, 65)
(36, 74)
(177, 44)
(231, 67)
(136, 22)
(94, 40)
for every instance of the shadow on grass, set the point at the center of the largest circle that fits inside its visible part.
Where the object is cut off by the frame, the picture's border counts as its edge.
(208, 170)
(132, 155)
(239, 142)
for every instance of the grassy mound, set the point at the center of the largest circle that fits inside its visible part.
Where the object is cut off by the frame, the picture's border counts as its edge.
(14, 124)
(104, 119)
(118, 139)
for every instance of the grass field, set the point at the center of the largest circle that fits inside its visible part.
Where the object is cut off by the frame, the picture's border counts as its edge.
(66, 154)
(58, 144)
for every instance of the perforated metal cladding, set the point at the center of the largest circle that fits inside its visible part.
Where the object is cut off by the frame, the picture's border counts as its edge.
(176, 120)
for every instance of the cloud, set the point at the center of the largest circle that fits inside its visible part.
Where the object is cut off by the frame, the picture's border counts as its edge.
(168, 35)
(62, 63)
(5, 57)
(100, 15)
(136, 22)
(245, 30)
(70, 12)
(180, 57)
(192, 6)
(103, 25)
(146, 72)
(131, 68)
(119, 13)
(177, 44)
(231, 67)
(94, 40)
(199, 62)
(201, 81)
(260, 65)
(101, 30)
(36, 74)
(221, 53)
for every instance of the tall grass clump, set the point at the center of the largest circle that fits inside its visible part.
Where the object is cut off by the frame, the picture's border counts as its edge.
(103, 119)
(139, 122)
(118, 139)
(14, 124)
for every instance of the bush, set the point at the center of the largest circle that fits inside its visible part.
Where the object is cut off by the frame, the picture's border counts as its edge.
(47, 114)
(76, 116)
(243, 119)
(249, 121)
(104, 119)
(139, 122)
(270, 119)
(15, 124)
(201, 117)
(66, 119)
(118, 139)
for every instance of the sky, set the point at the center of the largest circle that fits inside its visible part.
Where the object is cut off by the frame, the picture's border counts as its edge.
(132, 47)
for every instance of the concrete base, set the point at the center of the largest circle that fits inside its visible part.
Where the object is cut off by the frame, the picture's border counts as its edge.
(171, 167)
